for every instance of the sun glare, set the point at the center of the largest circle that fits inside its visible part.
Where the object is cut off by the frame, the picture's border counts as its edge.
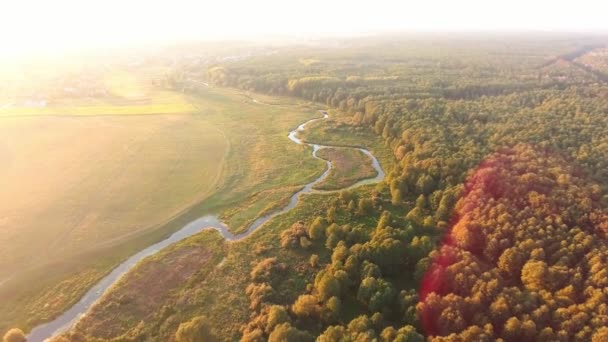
(38, 26)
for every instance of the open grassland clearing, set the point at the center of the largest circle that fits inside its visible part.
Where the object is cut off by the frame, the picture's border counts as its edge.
(348, 167)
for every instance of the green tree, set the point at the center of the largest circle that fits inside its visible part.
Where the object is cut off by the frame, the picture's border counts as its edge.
(365, 206)
(328, 286)
(378, 294)
(333, 306)
(316, 230)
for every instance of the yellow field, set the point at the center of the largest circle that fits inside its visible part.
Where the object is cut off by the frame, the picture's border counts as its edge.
(72, 183)
(115, 93)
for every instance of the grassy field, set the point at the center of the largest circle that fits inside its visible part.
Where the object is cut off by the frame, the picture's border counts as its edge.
(70, 183)
(219, 292)
(348, 167)
(82, 193)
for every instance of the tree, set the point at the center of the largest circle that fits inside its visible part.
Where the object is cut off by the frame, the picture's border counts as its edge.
(378, 294)
(291, 238)
(333, 306)
(316, 230)
(195, 330)
(332, 334)
(263, 270)
(511, 262)
(385, 220)
(365, 206)
(287, 333)
(601, 335)
(512, 329)
(345, 196)
(259, 293)
(276, 315)
(328, 286)
(14, 335)
(409, 334)
(396, 197)
(425, 184)
(306, 306)
(331, 214)
(255, 335)
(534, 275)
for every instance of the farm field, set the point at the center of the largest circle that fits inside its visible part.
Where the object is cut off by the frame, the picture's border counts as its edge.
(129, 181)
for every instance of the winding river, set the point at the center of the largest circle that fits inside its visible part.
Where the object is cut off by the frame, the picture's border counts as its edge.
(71, 316)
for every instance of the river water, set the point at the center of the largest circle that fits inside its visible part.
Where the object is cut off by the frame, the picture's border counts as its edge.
(71, 316)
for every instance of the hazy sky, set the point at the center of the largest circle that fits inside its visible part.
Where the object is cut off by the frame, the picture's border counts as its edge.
(35, 25)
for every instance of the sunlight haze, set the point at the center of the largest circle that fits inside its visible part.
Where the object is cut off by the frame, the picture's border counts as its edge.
(50, 27)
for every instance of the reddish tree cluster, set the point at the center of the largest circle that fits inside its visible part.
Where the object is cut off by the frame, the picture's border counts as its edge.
(526, 258)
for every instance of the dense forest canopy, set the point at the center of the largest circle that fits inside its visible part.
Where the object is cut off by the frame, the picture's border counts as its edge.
(526, 257)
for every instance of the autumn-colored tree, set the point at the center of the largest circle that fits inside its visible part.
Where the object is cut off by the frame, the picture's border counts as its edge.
(195, 330)
(276, 315)
(306, 306)
(316, 230)
(14, 335)
(285, 332)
